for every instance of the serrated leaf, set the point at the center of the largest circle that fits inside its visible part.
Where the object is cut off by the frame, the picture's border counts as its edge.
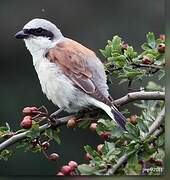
(53, 134)
(116, 43)
(151, 39)
(145, 46)
(91, 151)
(130, 52)
(132, 73)
(116, 132)
(133, 159)
(34, 132)
(85, 169)
(133, 130)
(142, 125)
(107, 51)
(115, 54)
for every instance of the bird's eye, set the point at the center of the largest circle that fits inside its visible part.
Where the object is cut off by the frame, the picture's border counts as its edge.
(38, 30)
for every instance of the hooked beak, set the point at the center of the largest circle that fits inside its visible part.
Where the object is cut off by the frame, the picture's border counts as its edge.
(21, 35)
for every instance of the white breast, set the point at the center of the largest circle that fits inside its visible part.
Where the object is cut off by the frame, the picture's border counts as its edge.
(57, 87)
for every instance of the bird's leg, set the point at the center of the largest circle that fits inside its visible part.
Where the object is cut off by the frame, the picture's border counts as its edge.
(54, 114)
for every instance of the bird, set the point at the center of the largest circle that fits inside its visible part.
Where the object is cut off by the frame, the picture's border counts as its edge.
(70, 74)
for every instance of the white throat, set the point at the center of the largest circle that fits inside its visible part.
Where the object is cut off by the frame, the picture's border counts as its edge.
(39, 46)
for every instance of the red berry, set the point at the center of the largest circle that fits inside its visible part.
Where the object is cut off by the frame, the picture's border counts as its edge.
(88, 157)
(66, 170)
(142, 162)
(93, 127)
(26, 110)
(53, 157)
(133, 119)
(60, 174)
(105, 135)
(162, 37)
(71, 123)
(45, 145)
(161, 48)
(30, 110)
(73, 165)
(34, 108)
(100, 148)
(159, 163)
(125, 46)
(26, 122)
(152, 160)
(147, 60)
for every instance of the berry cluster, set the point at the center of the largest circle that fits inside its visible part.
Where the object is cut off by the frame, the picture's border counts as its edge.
(104, 135)
(31, 113)
(69, 169)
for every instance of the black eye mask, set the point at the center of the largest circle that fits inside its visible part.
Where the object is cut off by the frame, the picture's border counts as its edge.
(39, 32)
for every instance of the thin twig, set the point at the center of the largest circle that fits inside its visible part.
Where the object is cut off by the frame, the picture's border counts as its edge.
(120, 102)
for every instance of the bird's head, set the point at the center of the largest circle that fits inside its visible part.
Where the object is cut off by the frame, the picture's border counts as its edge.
(39, 34)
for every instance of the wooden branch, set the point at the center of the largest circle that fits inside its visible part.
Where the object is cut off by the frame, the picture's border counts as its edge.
(152, 130)
(141, 95)
(23, 135)
(156, 95)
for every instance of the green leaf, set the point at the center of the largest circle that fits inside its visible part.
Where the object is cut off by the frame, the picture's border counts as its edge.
(49, 133)
(151, 54)
(56, 136)
(84, 124)
(85, 169)
(161, 140)
(133, 130)
(91, 151)
(116, 132)
(151, 40)
(34, 132)
(145, 46)
(153, 86)
(133, 159)
(5, 154)
(131, 148)
(8, 127)
(130, 52)
(107, 51)
(132, 73)
(142, 125)
(53, 134)
(116, 43)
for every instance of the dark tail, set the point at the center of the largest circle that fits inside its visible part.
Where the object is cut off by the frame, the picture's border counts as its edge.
(119, 118)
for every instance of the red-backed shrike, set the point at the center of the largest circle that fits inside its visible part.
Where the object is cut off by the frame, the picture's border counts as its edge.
(71, 75)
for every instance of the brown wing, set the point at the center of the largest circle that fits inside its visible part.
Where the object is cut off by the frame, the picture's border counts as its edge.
(72, 58)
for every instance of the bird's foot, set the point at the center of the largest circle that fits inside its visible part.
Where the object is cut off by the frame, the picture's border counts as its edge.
(53, 116)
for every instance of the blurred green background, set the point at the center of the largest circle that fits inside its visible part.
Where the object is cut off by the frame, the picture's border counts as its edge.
(91, 22)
